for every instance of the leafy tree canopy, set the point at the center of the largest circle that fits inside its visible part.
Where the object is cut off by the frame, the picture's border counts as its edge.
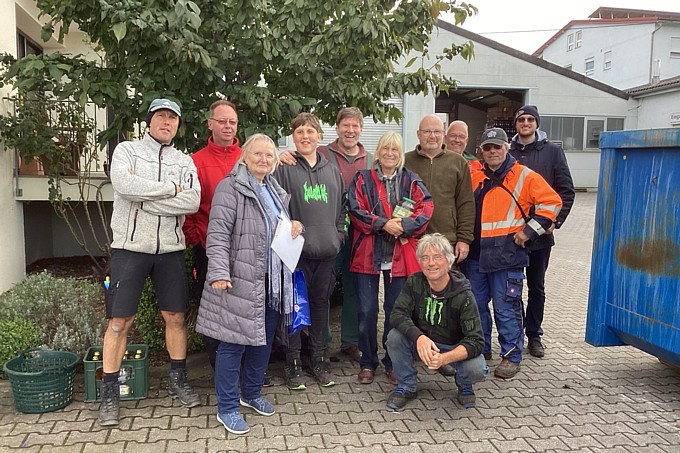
(272, 58)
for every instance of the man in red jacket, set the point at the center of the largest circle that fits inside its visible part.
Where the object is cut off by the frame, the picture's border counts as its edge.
(213, 163)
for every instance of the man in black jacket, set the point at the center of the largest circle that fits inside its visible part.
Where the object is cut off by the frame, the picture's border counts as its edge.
(531, 147)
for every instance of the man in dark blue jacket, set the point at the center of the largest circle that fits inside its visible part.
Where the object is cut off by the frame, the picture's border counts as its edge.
(531, 147)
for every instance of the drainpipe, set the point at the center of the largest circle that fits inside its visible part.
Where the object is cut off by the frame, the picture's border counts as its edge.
(651, 52)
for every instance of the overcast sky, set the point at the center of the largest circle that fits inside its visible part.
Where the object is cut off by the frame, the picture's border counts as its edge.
(527, 24)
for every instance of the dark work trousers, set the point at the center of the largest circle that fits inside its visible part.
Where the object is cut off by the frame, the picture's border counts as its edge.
(201, 262)
(538, 265)
(320, 280)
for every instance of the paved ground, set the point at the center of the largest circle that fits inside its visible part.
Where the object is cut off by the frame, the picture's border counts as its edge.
(578, 399)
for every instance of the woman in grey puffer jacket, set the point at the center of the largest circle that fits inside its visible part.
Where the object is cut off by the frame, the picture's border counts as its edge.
(248, 290)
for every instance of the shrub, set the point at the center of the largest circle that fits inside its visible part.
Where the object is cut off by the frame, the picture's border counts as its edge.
(149, 321)
(67, 312)
(15, 336)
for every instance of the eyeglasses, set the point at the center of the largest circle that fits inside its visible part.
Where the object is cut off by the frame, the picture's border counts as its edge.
(526, 119)
(223, 123)
(490, 147)
(430, 132)
(259, 155)
(457, 136)
(434, 258)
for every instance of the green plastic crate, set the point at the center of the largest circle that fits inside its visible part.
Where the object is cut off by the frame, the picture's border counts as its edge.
(136, 367)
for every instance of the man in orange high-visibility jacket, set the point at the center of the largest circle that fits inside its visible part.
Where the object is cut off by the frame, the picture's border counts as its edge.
(514, 205)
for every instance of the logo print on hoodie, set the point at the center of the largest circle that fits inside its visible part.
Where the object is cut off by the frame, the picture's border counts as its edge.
(433, 313)
(317, 192)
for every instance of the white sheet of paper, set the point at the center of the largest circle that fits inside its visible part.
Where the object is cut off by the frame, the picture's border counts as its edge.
(283, 244)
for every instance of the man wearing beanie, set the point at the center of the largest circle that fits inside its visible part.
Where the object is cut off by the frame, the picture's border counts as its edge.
(531, 147)
(154, 188)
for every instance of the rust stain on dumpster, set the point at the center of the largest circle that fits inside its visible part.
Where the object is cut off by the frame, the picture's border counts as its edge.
(653, 256)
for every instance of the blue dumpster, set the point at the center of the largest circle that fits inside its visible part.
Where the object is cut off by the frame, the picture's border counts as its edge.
(635, 274)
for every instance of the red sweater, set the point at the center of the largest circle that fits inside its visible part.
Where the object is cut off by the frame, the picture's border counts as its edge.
(213, 163)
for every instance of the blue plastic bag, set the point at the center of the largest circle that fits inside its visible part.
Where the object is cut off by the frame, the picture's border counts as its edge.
(301, 315)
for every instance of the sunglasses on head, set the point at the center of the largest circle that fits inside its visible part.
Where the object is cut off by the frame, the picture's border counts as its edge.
(490, 147)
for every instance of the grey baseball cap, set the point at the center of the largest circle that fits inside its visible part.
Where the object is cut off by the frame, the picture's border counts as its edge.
(494, 136)
(158, 104)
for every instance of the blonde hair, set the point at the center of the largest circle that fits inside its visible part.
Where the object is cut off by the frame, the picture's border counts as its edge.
(390, 139)
(251, 144)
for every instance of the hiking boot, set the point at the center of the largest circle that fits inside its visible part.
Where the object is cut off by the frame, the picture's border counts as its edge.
(398, 399)
(295, 380)
(446, 370)
(322, 373)
(178, 387)
(109, 410)
(392, 376)
(366, 376)
(536, 348)
(352, 352)
(261, 406)
(233, 422)
(506, 369)
(466, 396)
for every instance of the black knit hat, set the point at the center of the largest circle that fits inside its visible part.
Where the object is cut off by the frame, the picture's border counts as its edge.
(528, 110)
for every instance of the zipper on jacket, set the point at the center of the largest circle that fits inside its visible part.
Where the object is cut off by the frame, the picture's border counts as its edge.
(134, 225)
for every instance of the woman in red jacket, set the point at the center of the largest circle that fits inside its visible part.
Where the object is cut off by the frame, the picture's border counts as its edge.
(379, 240)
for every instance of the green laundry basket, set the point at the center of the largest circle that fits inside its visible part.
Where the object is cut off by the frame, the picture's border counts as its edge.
(42, 381)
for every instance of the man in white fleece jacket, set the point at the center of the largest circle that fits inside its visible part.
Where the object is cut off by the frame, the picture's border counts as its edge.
(155, 186)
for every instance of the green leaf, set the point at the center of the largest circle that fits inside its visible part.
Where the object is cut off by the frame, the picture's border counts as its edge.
(119, 30)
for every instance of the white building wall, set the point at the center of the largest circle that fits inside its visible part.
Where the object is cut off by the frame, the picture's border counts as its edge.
(659, 110)
(634, 49)
(670, 67)
(553, 93)
(12, 264)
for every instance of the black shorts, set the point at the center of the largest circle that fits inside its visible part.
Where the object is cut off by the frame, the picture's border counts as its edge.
(128, 274)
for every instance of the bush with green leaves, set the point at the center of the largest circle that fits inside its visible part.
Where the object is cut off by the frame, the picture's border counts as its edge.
(68, 313)
(16, 336)
(149, 321)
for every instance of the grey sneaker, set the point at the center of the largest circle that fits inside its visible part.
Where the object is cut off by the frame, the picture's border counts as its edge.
(109, 410)
(506, 369)
(178, 387)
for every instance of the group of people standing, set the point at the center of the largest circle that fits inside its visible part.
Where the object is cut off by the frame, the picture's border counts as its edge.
(447, 232)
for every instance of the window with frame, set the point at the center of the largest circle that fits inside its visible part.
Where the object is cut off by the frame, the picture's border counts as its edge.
(675, 47)
(565, 129)
(590, 66)
(570, 42)
(577, 39)
(607, 60)
(26, 46)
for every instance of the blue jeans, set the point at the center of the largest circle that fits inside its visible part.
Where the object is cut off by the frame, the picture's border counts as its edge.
(403, 350)
(367, 286)
(504, 289)
(255, 360)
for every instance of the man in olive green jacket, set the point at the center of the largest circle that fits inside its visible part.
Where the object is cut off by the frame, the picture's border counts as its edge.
(446, 175)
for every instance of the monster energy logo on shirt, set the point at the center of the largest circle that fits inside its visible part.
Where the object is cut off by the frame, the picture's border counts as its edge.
(317, 192)
(433, 313)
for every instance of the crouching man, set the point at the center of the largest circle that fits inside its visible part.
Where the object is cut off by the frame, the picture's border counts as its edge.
(436, 317)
